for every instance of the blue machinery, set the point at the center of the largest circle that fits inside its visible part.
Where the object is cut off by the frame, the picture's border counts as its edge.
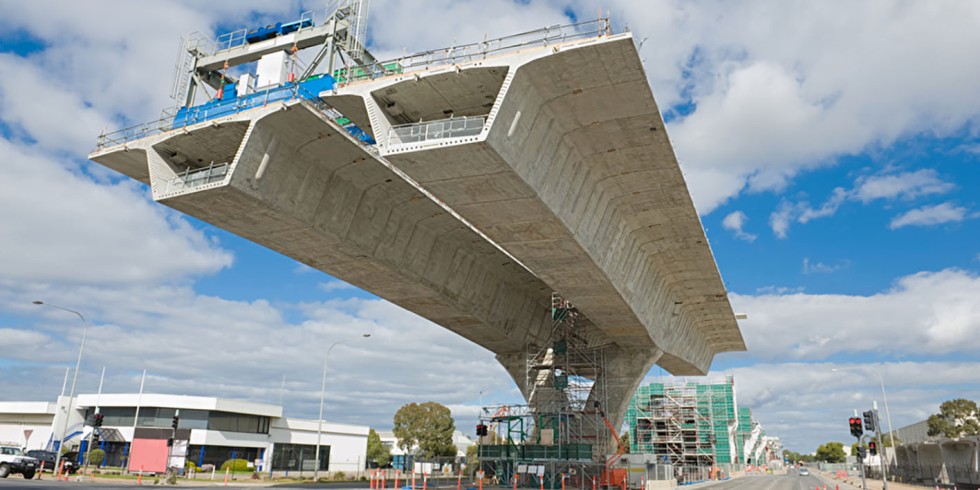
(208, 63)
(229, 103)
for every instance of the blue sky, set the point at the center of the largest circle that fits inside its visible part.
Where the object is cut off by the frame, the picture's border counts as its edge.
(832, 150)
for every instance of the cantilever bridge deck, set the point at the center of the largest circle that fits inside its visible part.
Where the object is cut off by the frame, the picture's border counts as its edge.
(495, 180)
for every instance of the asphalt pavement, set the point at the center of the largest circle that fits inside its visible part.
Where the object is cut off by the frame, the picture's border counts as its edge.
(790, 481)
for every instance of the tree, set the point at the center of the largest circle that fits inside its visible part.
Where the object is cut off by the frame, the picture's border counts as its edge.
(831, 452)
(795, 457)
(472, 459)
(377, 451)
(96, 457)
(956, 418)
(624, 440)
(429, 426)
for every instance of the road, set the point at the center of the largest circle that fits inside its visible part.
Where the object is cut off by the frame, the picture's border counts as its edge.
(791, 481)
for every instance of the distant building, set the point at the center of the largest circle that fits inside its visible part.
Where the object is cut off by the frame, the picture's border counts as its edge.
(696, 424)
(210, 431)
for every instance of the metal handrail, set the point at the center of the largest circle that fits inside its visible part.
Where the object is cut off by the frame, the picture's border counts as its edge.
(197, 177)
(453, 127)
(446, 56)
(196, 115)
(474, 51)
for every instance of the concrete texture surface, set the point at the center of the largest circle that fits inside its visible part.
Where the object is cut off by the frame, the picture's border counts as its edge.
(571, 186)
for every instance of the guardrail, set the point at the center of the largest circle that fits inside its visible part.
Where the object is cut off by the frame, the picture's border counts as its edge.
(453, 127)
(197, 177)
(468, 52)
(175, 118)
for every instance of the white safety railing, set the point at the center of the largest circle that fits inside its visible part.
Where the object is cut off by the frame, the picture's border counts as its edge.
(546, 36)
(197, 177)
(454, 127)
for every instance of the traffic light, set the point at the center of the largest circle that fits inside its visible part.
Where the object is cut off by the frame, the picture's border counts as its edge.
(869, 421)
(862, 453)
(175, 422)
(873, 448)
(95, 438)
(856, 429)
(481, 430)
(98, 420)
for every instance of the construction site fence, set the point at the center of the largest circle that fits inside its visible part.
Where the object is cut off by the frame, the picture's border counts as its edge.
(690, 474)
(532, 451)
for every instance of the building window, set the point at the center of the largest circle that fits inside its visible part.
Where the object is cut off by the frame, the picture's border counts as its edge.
(217, 455)
(299, 457)
(113, 416)
(234, 422)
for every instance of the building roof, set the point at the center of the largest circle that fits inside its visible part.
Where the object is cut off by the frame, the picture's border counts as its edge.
(31, 408)
(178, 401)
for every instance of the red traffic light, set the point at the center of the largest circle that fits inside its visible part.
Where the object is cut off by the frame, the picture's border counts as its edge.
(873, 448)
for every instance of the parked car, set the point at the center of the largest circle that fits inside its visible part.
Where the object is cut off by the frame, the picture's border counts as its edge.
(48, 459)
(13, 460)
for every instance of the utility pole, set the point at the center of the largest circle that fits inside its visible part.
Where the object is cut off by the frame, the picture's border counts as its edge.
(171, 470)
(861, 455)
(93, 438)
(881, 458)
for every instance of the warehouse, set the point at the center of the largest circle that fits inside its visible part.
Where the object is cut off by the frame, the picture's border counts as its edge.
(137, 431)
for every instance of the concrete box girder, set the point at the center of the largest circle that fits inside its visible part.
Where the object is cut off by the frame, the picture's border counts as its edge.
(572, 175)
(326, 202)
(587, 193)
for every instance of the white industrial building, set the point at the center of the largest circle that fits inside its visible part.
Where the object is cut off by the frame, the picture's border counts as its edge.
(137, 429)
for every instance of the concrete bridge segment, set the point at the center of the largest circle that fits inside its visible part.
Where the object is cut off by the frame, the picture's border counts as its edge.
(567, 184)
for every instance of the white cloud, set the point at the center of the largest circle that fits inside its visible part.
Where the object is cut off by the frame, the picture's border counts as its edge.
(735, 221)
(336, 285)
(58, 225)
(906, 185)
(789, 399)
(781, 218)
(829, 208)
(930, 313)
(929, 216)
(809, 82)
(819, 267)
(203, 345)
(882, 186)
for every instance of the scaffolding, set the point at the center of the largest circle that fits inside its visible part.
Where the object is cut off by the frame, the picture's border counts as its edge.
(687, 425)
(561, 435)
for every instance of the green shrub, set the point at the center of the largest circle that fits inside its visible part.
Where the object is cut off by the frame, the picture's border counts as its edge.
(340, 475)
(235, 465)
(96, 457)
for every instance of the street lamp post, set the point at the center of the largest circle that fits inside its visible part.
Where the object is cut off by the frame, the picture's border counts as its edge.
(884, 396)
(323, 389)
(78, 364)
